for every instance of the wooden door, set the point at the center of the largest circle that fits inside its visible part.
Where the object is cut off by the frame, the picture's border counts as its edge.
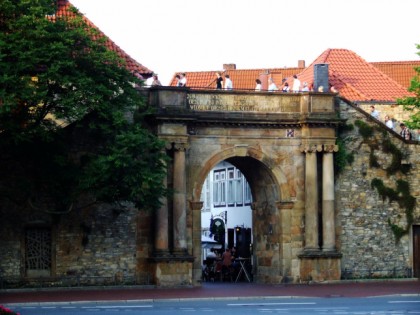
(416, 250)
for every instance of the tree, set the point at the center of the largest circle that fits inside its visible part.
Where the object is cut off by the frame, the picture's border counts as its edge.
(71, 118)
(412, 103)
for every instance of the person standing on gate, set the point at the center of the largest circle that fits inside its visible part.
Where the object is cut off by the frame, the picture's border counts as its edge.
(183, 80)
(228, 82)
(258, 86)
(272, 86)
(219, 81)
(296, 84)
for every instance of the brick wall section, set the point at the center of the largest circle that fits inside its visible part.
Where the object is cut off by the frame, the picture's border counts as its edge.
(365, 237)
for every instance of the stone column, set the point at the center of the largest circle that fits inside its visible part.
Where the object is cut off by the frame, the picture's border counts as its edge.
(311, 199)
(161, 230)
(179, 202)
(328, 217)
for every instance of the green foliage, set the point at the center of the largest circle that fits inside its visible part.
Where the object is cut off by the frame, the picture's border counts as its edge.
(412, 103)
(65, 108)
(384, 192)
(397, 156)
(404, 199)
(397, 230)
(365, 130)
(342, 157)
(122, 173)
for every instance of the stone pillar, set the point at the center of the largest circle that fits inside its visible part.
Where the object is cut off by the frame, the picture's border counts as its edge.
(161, 230)
(328, 217)
(311, 199)
(179, 202)
(196, 207)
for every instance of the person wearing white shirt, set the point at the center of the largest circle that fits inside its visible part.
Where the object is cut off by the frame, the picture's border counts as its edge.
(228, 82)
(373, 112)
(183, 80)
(296, 84)
(272, 87)
(389, 123)
(258, 85)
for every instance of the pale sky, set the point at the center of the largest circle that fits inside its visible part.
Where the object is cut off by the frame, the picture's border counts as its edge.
(169, 36)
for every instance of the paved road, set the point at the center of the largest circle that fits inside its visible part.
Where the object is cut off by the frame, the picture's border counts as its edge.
(213, 291)
(392, 305)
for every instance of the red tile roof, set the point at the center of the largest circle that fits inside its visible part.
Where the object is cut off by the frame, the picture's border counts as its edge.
(355, 78)
(65, 9)
(401, 71)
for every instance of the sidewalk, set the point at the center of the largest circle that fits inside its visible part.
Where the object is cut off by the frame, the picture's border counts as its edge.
(222, 290)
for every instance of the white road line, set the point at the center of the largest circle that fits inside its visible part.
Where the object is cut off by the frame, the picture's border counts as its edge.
(117, 306)
(395, 302)
(268, 304)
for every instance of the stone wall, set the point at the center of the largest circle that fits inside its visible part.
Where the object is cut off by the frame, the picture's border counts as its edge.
(96, 245)
(365, 238)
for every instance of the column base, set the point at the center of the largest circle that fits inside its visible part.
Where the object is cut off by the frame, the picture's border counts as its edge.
(181, 254)
(320, 266)
(161, 253)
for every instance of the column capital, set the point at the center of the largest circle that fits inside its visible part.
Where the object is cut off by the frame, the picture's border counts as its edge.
(330, 148)
(196, 205)
(180, 146)
(313, 148)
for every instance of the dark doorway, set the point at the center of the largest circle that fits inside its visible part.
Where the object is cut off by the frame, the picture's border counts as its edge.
(416, 250)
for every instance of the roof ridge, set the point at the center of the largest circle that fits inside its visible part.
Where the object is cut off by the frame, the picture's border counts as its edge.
(65, 7)
(396, 62)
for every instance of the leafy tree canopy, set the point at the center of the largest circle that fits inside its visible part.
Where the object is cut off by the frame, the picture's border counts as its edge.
(67, 106)
(412, 103)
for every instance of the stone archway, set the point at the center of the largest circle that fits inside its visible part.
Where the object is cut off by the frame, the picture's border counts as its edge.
(270, 222)
(278, 141)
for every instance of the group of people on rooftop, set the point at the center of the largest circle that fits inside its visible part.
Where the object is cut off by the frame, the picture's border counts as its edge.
(227, 84)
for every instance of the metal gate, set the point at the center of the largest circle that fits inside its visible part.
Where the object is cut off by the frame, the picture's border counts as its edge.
(38, 252)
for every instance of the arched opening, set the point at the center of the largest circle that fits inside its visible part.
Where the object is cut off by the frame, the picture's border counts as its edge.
(241, 195)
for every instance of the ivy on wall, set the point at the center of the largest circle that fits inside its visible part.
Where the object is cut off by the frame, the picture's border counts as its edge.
(402, 192)
(342, 157)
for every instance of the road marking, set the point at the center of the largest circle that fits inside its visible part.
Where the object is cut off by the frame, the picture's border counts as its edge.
(395, 302)
(268, 304)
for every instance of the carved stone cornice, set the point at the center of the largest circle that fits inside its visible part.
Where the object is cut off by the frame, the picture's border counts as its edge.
(313, 148)
(330, 148)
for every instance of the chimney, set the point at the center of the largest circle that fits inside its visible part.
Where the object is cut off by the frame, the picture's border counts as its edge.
(229, 66)
(321, 77)
(264, 79)
(301, 63)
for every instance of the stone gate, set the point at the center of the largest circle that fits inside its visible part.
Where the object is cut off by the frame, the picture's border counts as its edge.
(283, 143)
